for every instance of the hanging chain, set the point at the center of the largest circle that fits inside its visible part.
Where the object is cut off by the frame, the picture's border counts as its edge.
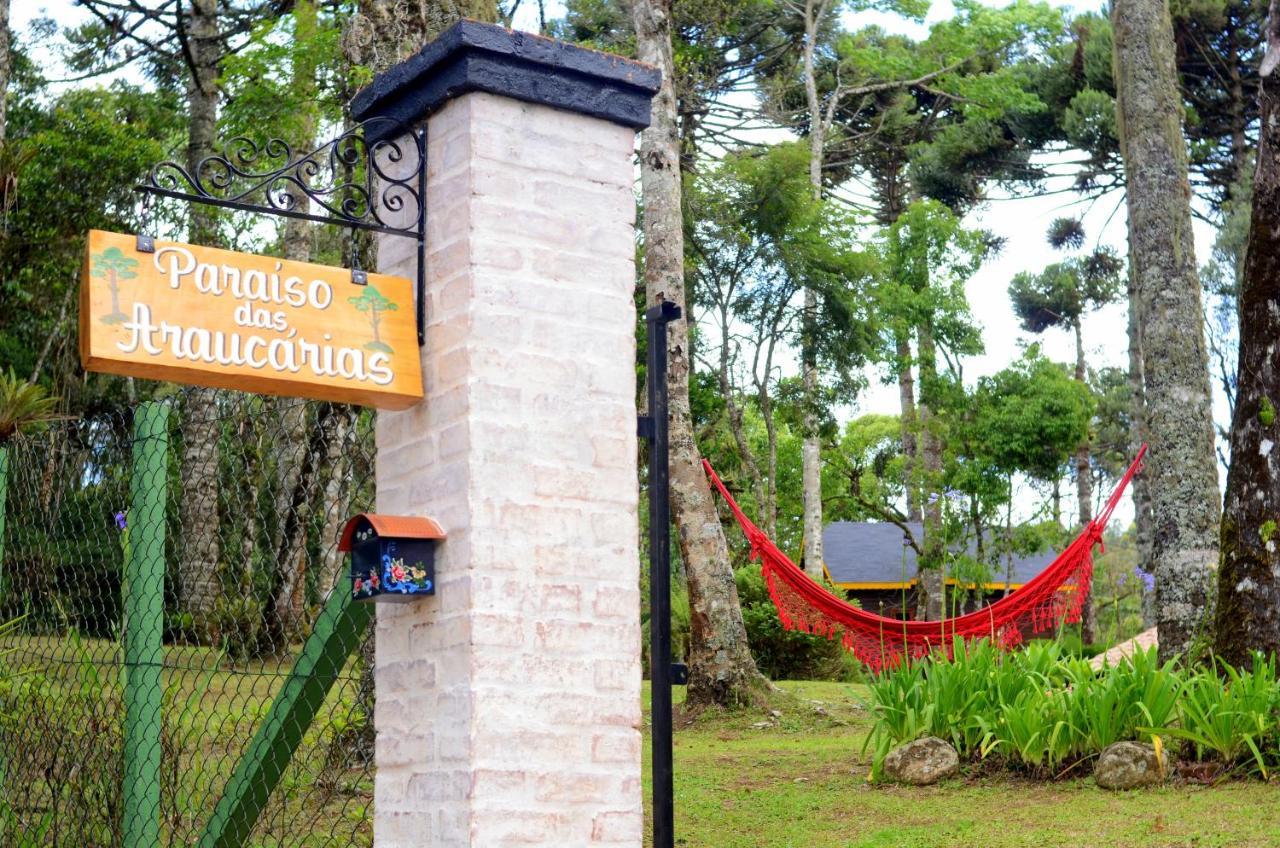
(146, 241)
(358, 275)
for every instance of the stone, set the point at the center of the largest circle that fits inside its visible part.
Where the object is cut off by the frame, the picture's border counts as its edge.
(922, 762)
(1128, 765)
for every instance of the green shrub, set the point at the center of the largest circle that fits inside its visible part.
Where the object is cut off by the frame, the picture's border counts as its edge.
(783, 654)
(237, 623)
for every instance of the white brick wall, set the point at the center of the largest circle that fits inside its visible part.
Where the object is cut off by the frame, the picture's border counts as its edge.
(509, 704)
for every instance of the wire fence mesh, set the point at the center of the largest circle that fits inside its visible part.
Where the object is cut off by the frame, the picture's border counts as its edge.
(251, 494)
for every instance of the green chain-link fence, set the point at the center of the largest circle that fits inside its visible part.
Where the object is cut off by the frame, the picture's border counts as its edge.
(167, 627)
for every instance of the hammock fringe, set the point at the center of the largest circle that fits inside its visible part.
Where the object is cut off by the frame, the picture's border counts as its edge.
(1052, 598)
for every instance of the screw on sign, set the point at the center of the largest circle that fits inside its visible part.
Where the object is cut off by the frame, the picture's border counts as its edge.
(392, 556)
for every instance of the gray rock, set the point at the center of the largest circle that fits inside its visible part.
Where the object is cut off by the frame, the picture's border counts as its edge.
(922, 762)
(1128, 765)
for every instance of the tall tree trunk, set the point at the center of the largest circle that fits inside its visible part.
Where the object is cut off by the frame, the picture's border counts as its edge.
(811, 451)
(292, 510)
(891, 207)
(1084, 477)
(1084, 494)
(1138, 435)
(811, 448)
(721, 669)
(337, 493)
(734, 413)
(393, 30)
(5, 37)
(198, 566)
(1235, 86)
(291, 562)
(932, 571)
(1248, 611)
(1182, 468)
(908, 423)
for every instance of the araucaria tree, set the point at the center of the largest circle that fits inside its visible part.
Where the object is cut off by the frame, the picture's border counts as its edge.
(721, 668)
(1059, 296)
(1181, 469)
(1248, 613)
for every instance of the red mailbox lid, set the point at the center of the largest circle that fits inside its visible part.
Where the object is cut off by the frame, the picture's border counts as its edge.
(392, 526)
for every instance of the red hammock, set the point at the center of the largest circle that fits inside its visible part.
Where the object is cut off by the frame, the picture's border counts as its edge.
(1052, 597)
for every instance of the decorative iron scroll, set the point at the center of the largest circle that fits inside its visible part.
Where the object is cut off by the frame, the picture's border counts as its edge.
(355, 183)
(351, 181)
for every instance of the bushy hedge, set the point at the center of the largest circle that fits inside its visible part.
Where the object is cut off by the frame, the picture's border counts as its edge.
(1048, 714)
(782, 654)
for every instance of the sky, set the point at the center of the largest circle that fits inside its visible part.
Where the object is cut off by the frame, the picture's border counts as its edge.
(1021, 221)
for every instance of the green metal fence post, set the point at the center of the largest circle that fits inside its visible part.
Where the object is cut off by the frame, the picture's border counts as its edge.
(143, 589)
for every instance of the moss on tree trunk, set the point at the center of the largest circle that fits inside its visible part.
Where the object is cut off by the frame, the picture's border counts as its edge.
(1248, 614)
(1181, 468)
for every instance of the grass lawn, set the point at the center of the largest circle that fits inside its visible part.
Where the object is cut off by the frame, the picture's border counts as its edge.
(741, 781)
(61, 743)
(801, 781)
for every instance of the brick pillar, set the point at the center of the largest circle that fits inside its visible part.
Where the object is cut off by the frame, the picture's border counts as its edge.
(508, 705)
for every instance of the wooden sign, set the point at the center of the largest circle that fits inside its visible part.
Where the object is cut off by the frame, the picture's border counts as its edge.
(232, 320)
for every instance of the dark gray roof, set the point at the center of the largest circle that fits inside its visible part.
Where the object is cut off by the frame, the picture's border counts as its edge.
(866, 552)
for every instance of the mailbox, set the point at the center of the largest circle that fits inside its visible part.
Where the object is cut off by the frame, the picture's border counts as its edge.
(392, 556)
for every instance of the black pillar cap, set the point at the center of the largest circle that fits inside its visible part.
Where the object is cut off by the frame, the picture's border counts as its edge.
(471, 56)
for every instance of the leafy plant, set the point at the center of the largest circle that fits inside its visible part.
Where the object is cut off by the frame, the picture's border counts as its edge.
(1233, 719)
(23, 406)
(783, 654)
(1047, 712)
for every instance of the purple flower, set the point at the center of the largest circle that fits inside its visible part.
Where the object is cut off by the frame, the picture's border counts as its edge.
(1148, 579)
(121, 521)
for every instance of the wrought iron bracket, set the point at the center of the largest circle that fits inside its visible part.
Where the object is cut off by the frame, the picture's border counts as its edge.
(378, 185)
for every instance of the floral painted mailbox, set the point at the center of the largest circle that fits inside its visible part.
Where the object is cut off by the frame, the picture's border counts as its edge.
(392, 556)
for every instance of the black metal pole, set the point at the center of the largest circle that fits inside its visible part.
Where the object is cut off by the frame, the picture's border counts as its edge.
(654, 427)
(420, 138)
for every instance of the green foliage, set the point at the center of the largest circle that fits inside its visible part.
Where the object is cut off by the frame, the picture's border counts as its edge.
(288, 74)
(866, 474)
(1033, 414)
(1232, 717)
(1063, 292)
(761, 237)
(62, 746)
(238, 625)
(679, 621)
(95, 145)
(1089, 121)
(1043, 711)
(929, 255)
(782, 654)
(23, 406)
